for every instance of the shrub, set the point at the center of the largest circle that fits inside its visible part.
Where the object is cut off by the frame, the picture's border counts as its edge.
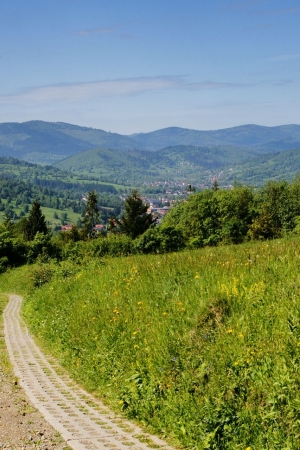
(43, 247)
(160, 240)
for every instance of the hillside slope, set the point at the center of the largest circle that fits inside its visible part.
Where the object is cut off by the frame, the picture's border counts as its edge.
(47, 143)
(264, 139)
(179, 163)
(277, 166)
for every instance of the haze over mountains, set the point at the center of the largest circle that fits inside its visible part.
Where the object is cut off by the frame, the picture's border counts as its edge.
(170, 152)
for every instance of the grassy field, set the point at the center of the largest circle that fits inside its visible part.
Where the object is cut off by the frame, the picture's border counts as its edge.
(201, 347)
(72, 217)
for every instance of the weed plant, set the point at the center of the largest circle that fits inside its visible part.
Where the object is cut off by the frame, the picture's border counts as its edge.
(202, 347)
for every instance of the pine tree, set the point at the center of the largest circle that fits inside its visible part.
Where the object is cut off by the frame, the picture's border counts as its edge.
(91, 215)
(35, 223)
(136, 220)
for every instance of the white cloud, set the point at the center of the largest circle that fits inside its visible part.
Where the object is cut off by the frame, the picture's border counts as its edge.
(78, 92)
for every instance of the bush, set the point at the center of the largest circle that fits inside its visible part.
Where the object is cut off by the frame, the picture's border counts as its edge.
(43, 247)
(113, 245)
(41, 275)
(160, 240)
(12, 251)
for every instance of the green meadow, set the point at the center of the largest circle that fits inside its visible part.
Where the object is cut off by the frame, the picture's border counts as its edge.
(201, 347)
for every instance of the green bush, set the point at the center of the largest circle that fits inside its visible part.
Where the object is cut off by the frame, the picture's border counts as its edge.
(160, 240)
(42, 247)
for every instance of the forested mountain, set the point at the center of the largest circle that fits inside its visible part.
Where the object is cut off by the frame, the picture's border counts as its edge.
(276, 166)
(196, 165)
(49, 142)
(179, 163)
(173, 154)
(263, 139)
(46, 142)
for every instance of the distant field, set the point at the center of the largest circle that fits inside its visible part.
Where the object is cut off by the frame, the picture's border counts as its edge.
(72, 217)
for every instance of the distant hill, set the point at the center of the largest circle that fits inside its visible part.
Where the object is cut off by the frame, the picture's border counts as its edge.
(176, 154)
(179, 163)
(47, 143)
(263, 139)
(278, 166)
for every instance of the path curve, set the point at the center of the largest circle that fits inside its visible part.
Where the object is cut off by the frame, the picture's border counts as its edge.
(83, 421)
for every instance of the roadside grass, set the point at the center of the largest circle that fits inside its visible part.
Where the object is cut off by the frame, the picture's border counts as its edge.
(5, 365)
(201, 347)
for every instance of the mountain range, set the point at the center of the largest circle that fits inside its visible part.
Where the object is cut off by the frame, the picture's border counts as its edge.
(171, 153)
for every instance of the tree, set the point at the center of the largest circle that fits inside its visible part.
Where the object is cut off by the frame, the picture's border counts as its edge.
(136, 220)
(91, 215)
(35, 223)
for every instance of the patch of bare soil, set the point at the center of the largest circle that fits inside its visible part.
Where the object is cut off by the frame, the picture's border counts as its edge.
(21, 425)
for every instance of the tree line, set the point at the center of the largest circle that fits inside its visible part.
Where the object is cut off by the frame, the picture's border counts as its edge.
(207, 218)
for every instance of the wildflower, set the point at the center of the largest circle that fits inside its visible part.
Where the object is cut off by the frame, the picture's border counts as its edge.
(180, 303)
(121, 402)
(164, 313)
(197, 276)
(139, 303)
(230, 331)
(135, 346)
(135, 332)
(182, 309)
(241, 335)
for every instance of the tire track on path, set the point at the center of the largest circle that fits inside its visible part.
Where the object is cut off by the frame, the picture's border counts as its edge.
(83, 421)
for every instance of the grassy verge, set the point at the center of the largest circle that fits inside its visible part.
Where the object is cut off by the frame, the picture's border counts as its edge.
(5, 365)
(203, 347)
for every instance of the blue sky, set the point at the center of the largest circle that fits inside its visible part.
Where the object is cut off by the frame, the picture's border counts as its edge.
(136, 66)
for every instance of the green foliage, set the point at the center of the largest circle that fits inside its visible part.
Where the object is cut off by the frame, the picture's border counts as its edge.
(112, 245)
(42, 247)
(200, 346)
(41, 275)
(13, 251)
(160, 240)
(136, 219)
(236, 215)
(91, 216)
(35, 223)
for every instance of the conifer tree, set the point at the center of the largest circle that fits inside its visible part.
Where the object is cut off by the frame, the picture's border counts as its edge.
(136, 220)
(91, 215)
(36, 222)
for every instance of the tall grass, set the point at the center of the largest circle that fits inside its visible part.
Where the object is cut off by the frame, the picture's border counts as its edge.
(202, 347)
(5, 365)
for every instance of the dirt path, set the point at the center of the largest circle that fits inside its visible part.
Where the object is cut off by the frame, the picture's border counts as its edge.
(83, 422)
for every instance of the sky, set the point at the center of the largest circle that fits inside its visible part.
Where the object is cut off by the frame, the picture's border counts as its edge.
(130, 66)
